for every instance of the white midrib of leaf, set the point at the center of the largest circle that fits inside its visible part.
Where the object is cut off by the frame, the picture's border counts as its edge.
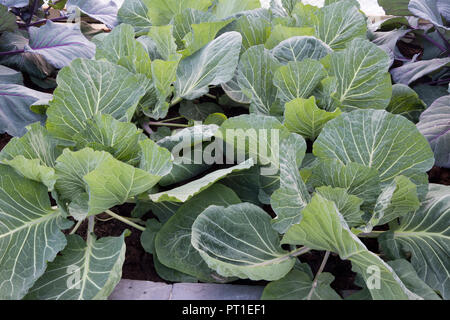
(85, 272)
(87, 259)
(419, 234)
(270, 252)
(28, 224)
(204, 54)
(338, 32)
(416, 235)
(279, 257)
(395, 162)
(344, 94)
(255, 95)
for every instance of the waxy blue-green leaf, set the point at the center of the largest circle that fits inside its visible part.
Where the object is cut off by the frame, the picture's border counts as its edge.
(183, 170)
(59, 43)
(84, 196)
(165, 42)
(120, 47)
(361, 71)
(324, 228)
(202, 34)
(148, 236)
(139, 62)
(395, 8)
(186, 141)
(37, 143)
(149, 46)
(188, 190)
(33, 155)
(395, 201)
(409, 277)
(190, 136)
(86, 88)
(238, 241)
(406, 101)
(173, 241)
(289, 5)
(305, 15)
(16, 114)
(164, 74)
(377, 139)
(298, 285)
(152, 226)
(356, 179)
(255, 136)
(33, 170)
(299, 48)
(214, 64)
(347, 204)
(84, 270)
(113, 182)
(182, 22)
(245, 184)
(161, 12)
(280, 33)
(309, 162)
(254, 30)
(30, 233)
(304, 117)
(289, 200)
(340, 23)
(227, 8)
(424, 234)
(298, 79)
(255, 77)
(71, 167)
(7, 20)
(154, 159)
(429, 93)
(135, 13)
(325, 94)
(104, 133)
(10, 76)
(234, 92)
(170, 274)
(435, 126)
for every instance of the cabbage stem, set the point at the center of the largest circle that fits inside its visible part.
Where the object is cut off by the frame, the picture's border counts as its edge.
(124, 220)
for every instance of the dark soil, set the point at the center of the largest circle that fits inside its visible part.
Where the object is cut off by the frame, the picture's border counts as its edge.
(440, 176)
(4, 139)
(138, 263)
(409, 50)
(340, 269)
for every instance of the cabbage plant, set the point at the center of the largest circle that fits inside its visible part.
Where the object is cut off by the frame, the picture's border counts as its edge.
(316, 158)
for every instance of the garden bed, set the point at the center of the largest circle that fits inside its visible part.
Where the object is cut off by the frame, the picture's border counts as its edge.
(138, 263)
(353, 118)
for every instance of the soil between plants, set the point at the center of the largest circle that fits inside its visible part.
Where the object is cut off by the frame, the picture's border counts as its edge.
(138, 264)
